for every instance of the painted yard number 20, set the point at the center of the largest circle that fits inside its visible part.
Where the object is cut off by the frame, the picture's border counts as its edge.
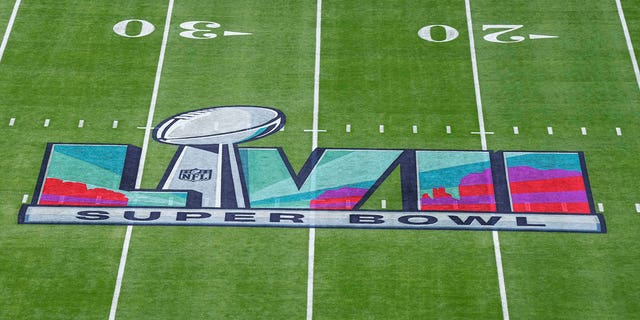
(450, 33)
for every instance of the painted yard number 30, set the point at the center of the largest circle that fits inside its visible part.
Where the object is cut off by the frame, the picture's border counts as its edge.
(450, 33)
(136, 28)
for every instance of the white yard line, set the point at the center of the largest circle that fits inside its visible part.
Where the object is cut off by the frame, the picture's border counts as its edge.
(632, 53)
(501, 284)
(143, 155)
(310, 271)
(483, 140)
(154, 95)
(123, 262)
(7, 32)
(476, 81)
(314, 145)
(316, 77)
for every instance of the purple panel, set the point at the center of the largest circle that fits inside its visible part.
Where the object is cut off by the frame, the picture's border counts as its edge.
(524, 173)
(542, 197)
(483, 177)
(343, 193)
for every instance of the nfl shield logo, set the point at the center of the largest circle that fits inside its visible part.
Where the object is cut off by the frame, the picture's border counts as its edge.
(195, 174)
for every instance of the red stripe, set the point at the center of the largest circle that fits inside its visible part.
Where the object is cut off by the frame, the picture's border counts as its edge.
(567, 207)
(460, 207)
(548, 185)
(351, 200)
(346, 203)
(82, 204)
(476, 190)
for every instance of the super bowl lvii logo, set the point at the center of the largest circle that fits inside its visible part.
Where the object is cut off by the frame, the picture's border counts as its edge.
(212, 181)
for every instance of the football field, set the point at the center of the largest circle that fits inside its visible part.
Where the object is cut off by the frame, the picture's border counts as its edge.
(463, 75)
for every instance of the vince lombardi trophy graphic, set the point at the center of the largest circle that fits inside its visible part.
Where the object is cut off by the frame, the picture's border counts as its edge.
(207, 160)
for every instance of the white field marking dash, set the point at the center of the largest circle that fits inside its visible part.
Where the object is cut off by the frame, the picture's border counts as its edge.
(46, 122)
(550, 130)
(583, 130)
(314, 145)
(483, 141)
(383, 204)
(282, 129)
(448, 129)
(115, 124)
(541, 36)
(12, 121)
(600, 207)
(347, 128)
(632, 54)
(516, 130)
(486, 132)
(638, 207)
(80, 123)
(7, 31)
(415, 129)
(314, 131)
(235, 33)
(25, 198)
(143, 155)
(618, 131)
(381, 128)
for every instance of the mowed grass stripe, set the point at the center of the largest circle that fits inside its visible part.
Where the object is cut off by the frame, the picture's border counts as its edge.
(63, 62)
(376, 70)
(625, 30)
(6, 7)
(583, 78)
(632, 15)
(228, 272)
(7, 31)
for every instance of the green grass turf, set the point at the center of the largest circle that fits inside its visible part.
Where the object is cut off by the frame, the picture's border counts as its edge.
(65, 63)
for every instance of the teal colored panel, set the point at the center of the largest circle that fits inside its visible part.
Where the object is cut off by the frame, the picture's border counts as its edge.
(108, 157)
(78, 169)
(270, 183)
(102, 166)
(445, 169)
(544, 160)
(156, 199)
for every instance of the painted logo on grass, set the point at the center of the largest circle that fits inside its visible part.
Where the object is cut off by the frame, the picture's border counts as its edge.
(213, 181)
